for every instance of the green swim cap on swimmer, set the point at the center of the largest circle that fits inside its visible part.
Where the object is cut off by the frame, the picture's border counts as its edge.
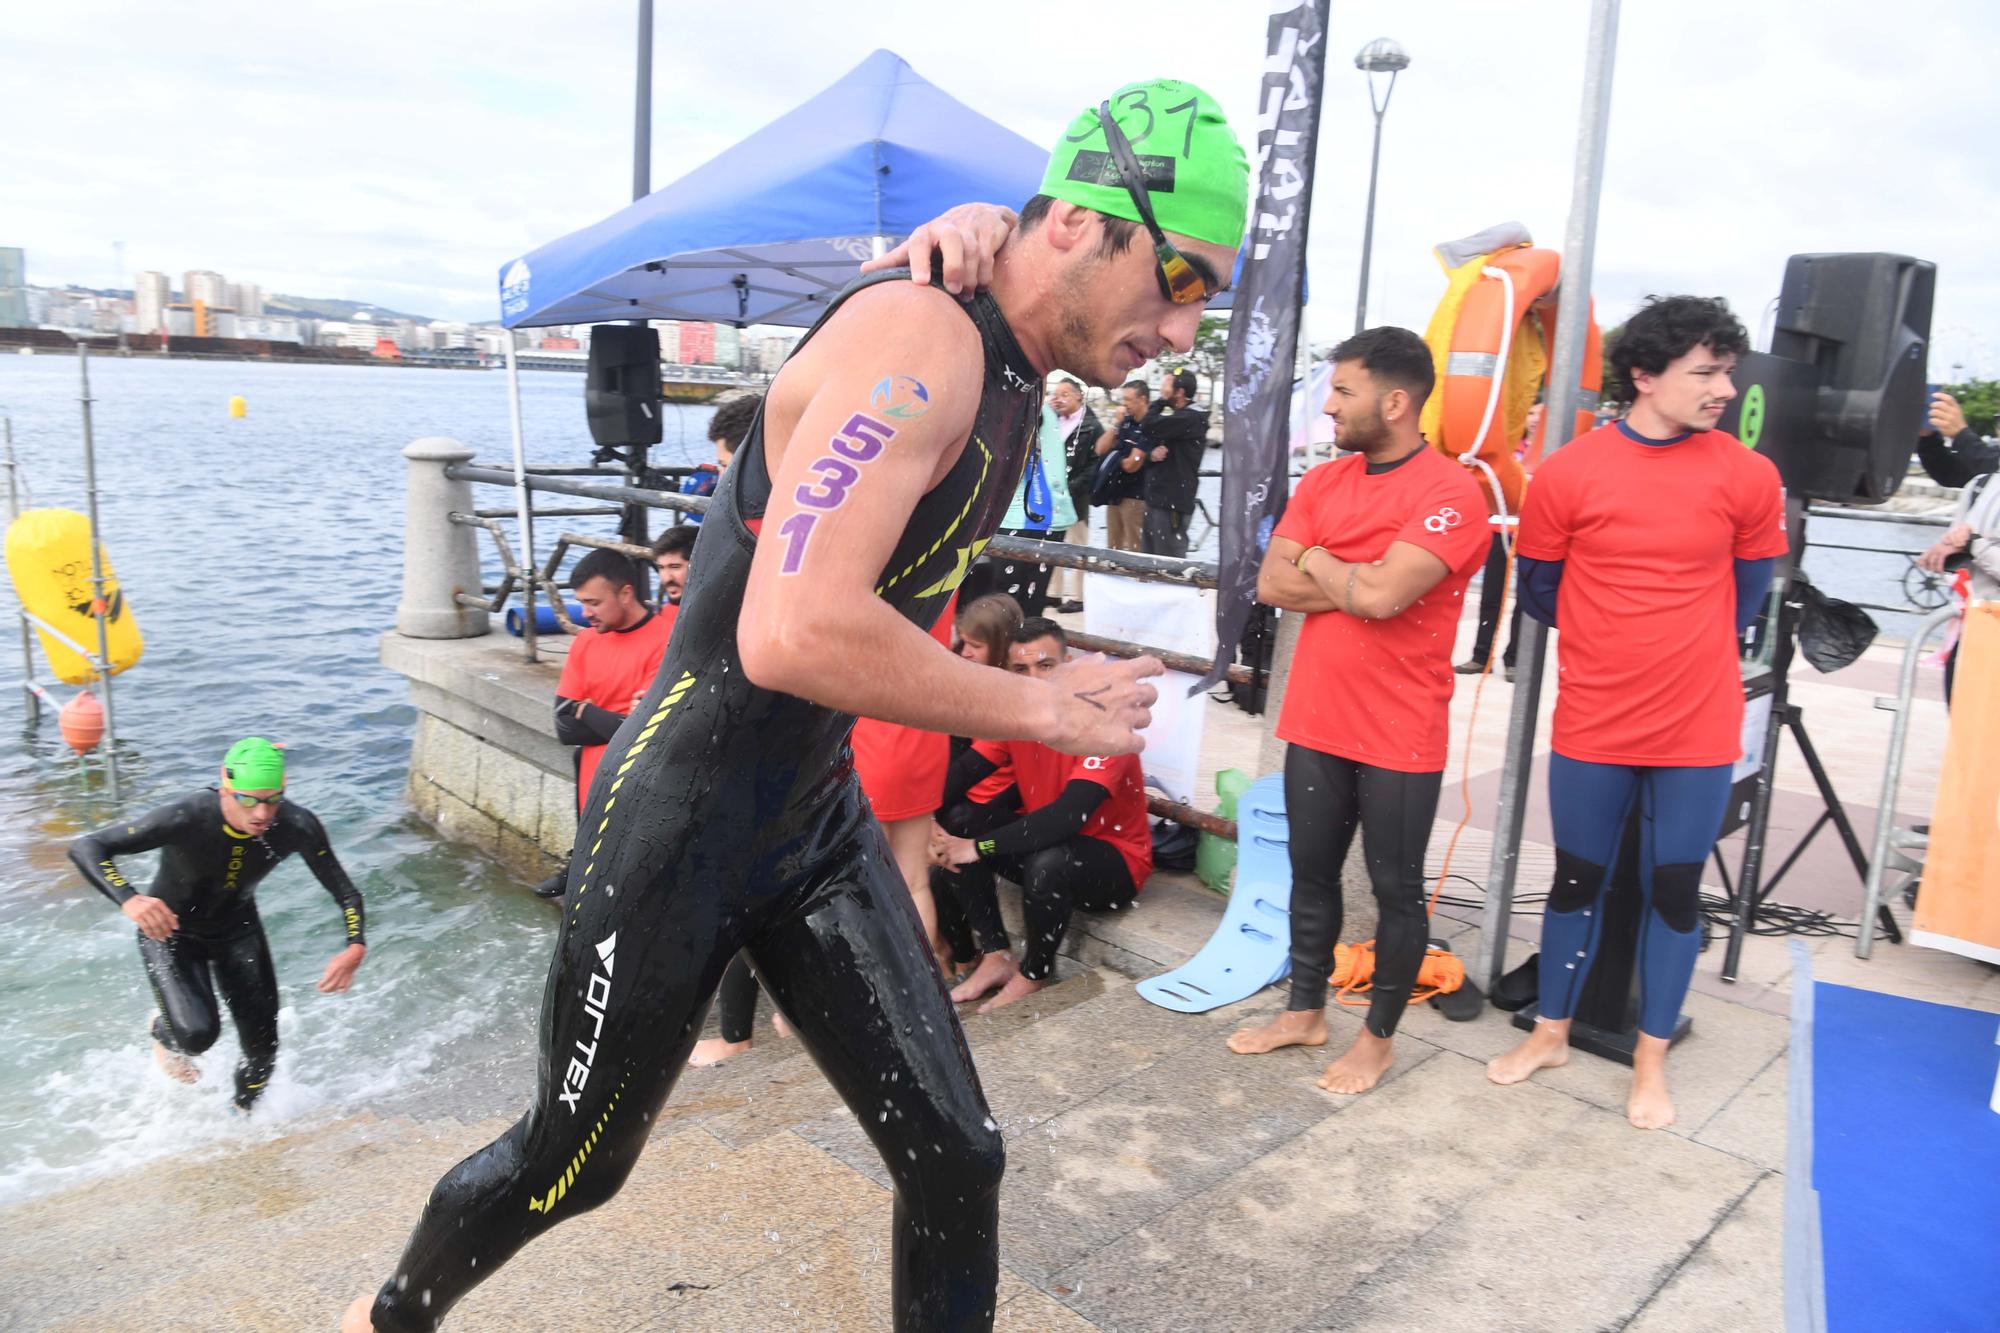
(1198, 179)
(254, 764)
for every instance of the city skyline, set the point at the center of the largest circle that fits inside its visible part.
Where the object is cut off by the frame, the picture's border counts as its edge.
(208, 305)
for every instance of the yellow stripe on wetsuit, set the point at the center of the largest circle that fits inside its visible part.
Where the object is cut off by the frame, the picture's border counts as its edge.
(675, 694)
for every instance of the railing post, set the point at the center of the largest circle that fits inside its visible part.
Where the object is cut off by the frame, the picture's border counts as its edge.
(14, 512)
(440, 558)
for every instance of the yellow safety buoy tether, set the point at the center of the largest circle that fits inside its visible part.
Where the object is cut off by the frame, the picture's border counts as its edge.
(238, 407)
(48, 556)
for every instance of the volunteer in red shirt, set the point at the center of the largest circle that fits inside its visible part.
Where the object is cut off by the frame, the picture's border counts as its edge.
(1083, 839)
(610, 666)
(902, 775)
(1375, 549)
(1649, 542)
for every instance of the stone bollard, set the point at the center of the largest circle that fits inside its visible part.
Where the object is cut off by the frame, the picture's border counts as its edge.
(440, 558)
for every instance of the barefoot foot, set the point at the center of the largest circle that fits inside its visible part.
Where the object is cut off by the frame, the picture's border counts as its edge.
(1648, 1106)
(1547, 1047)
(995, 970)
(360, 1316)
(175, 1065)
(713, 1051)
(778, 1025)
(1294, 1027)
(1018, 987)
(1362, 1067)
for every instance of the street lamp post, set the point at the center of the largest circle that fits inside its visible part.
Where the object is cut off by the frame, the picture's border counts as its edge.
(1381, 56)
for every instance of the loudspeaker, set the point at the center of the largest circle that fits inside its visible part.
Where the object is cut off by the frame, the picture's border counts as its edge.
(621, 393)
(1863, 323)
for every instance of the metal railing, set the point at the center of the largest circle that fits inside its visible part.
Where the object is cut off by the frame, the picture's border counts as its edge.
(1895, 844)
(1926, 592)
(100, 658)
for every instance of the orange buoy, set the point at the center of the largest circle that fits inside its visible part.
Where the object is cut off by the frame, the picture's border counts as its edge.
(1492, 341)
(82, 721)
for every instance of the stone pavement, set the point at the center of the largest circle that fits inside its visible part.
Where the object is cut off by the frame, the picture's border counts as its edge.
(1154, 1182)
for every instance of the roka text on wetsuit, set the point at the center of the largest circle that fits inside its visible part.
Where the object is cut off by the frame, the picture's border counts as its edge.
(725, 817)
(208, 876)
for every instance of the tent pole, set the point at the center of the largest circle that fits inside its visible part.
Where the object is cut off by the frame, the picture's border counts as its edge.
(1565, 388)
(632, 524)
(522, 508)
(27, 639)
(97, 607)
(642, 109)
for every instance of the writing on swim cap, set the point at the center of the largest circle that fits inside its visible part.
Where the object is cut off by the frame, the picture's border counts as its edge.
(254, 764)
(1197, 178)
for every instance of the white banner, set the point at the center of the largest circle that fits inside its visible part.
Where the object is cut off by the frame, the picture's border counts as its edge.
(1179, 620)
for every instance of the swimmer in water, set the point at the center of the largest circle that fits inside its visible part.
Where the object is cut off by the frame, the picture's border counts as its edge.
(198, 925)
(727, 815)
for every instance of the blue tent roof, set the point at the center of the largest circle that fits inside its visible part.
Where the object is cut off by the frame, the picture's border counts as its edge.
(768, 231)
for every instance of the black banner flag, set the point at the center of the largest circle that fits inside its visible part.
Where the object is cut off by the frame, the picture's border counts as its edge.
(1264, 319)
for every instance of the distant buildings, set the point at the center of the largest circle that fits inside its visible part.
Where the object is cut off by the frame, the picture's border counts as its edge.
(150, 297)
(200, 286)
(13, 287)
(208, 305)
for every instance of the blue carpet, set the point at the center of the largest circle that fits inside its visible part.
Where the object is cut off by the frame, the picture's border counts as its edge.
(1906, 1160)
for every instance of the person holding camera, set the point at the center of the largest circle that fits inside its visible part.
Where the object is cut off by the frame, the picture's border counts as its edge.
(1949, 449)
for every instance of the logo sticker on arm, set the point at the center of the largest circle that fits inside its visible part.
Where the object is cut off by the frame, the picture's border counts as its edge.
(861, 440)
(900, 398)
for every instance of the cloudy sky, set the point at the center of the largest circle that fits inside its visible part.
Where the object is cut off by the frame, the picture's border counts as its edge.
(400, 152)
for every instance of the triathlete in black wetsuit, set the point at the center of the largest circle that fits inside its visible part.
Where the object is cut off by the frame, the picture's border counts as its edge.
(198, 923)
(726, 815)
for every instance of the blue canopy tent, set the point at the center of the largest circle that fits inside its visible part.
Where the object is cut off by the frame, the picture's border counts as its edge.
(770, 230)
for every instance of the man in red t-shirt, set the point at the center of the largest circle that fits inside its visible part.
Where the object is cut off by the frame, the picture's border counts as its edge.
(1083, 839)
(608, 669)
(1375, 549)
(1649, 542)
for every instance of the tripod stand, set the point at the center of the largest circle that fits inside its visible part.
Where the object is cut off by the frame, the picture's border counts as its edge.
(1750, 891)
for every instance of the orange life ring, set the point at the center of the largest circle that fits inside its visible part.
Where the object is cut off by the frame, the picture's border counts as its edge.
(1492, 341)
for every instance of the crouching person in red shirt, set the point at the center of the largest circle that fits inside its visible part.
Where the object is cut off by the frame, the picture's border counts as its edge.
(1375, 549)
(1082, 841)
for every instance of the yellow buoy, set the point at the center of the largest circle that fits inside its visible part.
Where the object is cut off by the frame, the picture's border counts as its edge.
(238, 407)
(48, 555)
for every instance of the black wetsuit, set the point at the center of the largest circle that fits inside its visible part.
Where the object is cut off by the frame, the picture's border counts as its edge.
(208, 875)
(728, 817)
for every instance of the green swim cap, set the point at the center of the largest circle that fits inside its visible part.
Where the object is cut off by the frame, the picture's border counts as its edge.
(254, 764)
(1198, 178)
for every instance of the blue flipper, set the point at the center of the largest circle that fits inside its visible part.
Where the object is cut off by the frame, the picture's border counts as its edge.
(1253, 945)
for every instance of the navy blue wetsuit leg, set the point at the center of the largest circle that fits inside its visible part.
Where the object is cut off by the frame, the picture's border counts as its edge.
(1680, 813)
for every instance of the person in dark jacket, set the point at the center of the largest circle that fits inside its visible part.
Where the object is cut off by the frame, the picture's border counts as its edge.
(1179, 434)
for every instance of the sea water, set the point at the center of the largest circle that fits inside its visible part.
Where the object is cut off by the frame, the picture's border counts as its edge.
(262, 558)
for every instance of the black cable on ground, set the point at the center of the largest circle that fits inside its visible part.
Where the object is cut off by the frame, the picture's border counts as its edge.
(1778, 919)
